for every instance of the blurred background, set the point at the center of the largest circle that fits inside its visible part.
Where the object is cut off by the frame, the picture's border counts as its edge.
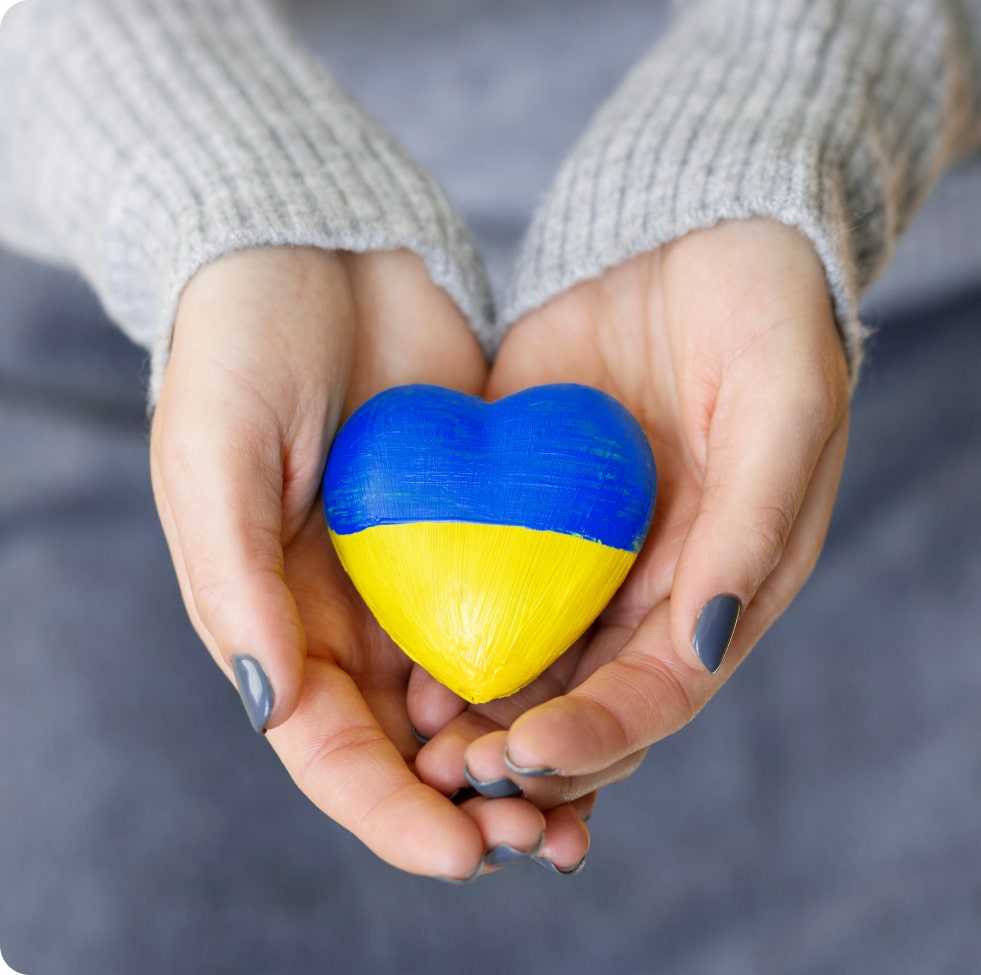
(823, 814)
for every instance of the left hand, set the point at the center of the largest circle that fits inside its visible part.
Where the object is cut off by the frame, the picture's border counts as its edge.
(724, 346)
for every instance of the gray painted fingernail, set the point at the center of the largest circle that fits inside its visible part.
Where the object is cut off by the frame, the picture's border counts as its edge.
(714, 629)
(254, 689)
(535, 773)
(546, 864)
(459, 881)
(493, 789)
(503, 855)
(419, 736)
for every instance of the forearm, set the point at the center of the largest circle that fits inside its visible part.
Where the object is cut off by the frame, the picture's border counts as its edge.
(142, 140)
(832, 117)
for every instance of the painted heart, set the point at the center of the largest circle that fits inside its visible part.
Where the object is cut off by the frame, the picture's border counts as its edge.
(486, 537)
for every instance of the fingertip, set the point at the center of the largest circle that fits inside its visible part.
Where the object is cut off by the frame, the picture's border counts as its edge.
(630, 702)
(714, 629)
(511, 828)
(422, 832)
(545, 741)
(431, 705)
(268, 702)
(485, 769)
(265, 658)
(254, 689)
(442, 761)
(567, 841)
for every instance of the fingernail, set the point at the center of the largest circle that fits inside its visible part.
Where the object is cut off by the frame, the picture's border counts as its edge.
(419, 736)
(459, 881)
(503, 855)
(535, 773)
(714, 629)
(254, 689)
(493, 789)
(547, 864)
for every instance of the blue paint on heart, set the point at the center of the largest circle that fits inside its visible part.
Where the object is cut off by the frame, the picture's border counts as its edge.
(563, 458)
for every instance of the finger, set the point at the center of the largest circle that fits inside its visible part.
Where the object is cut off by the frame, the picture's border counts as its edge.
(566, 837)
(238, 440)
(472, 752)
(489, 768)
(511, 830)
(481, 732)
(764, 444)
(180, 570)
(557, 840)
(338, 755)
(431, 706)
(440, 762)
(386, 701)
(800, 554)
(650, 689)
(560, 847)
(224, 501)
(617, 712)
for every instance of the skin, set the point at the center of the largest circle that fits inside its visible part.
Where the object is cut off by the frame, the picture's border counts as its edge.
(722, 344)
(272, 349)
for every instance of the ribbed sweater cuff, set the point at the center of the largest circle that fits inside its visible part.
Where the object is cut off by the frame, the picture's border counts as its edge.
(833, 116)
(198, 127)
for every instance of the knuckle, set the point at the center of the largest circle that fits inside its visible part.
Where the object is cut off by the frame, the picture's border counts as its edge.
(355, 743)
(660, 693)
(210, 596)
(765, 535)
(674, 683)
(602, 727)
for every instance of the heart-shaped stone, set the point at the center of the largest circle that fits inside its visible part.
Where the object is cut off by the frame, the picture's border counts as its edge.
(487, 537)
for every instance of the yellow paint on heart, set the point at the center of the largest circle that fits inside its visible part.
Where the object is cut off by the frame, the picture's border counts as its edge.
(483, 608)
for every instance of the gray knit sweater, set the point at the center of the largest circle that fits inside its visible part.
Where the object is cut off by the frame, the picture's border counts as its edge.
(140, 139)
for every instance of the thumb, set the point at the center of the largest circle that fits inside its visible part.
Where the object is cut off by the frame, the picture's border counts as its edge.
(247, 396)
(773, 460)
(220, 499)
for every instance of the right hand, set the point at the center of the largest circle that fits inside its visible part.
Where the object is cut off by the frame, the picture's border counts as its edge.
(272, 348)
(723, 344)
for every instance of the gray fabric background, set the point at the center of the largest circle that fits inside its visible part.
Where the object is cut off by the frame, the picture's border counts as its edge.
(823, 815)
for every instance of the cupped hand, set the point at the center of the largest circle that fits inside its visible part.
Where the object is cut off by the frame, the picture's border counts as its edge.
(723, 344)
(272, 348)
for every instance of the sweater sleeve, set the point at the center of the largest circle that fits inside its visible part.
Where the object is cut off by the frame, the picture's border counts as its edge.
(833, 116)
(141, 139)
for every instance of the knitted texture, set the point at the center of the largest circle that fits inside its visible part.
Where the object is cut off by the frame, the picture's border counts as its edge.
(141, 139)
(19, 228)
(149, 138)
(832, 116)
